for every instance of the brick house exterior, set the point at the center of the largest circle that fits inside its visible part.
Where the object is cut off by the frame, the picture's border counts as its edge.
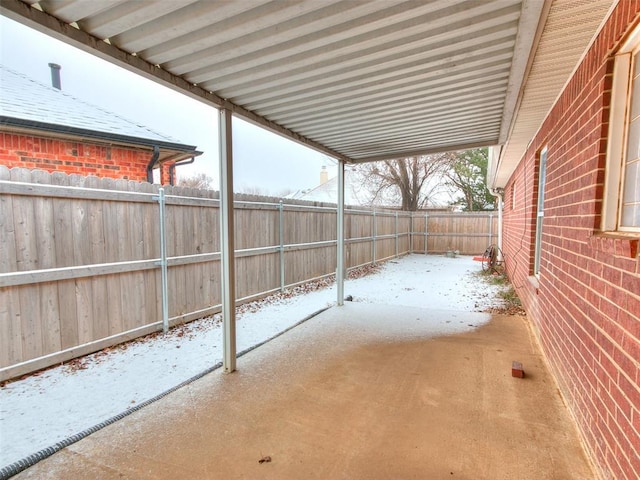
(44, 128)
(584, 301)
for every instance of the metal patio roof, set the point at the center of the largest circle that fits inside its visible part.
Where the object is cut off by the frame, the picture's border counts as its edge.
(359, 80)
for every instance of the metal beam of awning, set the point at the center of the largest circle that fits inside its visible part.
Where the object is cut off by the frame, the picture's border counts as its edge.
(54, 27)
(347, 78)
(297, 68)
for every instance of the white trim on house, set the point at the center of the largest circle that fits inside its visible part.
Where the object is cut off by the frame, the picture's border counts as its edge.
(617, 162)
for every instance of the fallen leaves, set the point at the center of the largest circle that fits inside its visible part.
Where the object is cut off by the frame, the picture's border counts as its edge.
(506, 310)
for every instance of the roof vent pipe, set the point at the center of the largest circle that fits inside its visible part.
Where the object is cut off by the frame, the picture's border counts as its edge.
(55, 75)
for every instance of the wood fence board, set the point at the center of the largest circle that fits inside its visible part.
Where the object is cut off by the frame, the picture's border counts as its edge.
(25, 238)
(153, 296)
(63, 232)
(138, 310)
(67, 314)
(50, 318)
(96, 231)
(127, 300)
(30, 322)
(8, 254)
(195, 294)
(176, 284)
(126, 247)
(84, 309)
(43, 229)
(99, 312)
(138, 313)
(114, 305)
(11, 351)
(359, 253)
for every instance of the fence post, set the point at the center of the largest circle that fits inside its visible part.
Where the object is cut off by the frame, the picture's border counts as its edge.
(163, 262)
(281, 225)
(396, 234)
(375, 231)
(426, 231)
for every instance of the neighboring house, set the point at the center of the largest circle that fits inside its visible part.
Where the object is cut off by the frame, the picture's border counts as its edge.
(571, 240)
(327, 191)
(42, 127)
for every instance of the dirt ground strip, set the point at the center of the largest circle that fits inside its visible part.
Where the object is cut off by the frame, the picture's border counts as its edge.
(358, 392)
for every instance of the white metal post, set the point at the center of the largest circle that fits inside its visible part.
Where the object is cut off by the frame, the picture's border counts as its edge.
(426, 231)
(396, 234)
(281, 235)
(500, 210)
(411, 233)
(340, 234)
(163, 263)
(374, 235)
(227, 244)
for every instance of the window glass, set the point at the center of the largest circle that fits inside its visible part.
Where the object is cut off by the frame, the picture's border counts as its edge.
(635, 96)
(630, 202)
(542, 173)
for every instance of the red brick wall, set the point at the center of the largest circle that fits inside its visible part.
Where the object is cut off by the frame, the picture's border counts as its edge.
(18, 150)
(586, 304)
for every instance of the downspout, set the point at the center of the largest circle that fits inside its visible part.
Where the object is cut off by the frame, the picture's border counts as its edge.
(152, 163)
(172, 169)
(498, 192)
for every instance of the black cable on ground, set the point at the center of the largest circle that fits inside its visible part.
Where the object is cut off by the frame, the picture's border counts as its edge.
(29, 461)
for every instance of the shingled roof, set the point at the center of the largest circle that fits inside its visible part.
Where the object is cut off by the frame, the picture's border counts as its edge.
(26, 104)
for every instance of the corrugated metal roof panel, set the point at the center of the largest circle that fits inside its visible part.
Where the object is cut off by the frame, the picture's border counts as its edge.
(362, 79)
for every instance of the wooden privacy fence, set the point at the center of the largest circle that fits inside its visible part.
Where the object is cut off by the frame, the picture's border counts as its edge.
(87, 263)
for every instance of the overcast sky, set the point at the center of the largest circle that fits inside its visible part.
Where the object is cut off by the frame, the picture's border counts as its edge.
(262, 159)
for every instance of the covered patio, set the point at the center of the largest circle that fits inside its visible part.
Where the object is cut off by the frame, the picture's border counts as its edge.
(359, 81)
(359, 391)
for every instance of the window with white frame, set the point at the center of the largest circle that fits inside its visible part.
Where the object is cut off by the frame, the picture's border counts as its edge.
(542, 175)
(621, 208)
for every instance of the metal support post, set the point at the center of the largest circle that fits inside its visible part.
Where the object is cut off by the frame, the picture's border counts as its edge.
(375, 232)
(163, 263)
(426, 231)
(396, 234)
(227, 243)
(411, 233)
(500, 210)
(281, 229)
(340, 234)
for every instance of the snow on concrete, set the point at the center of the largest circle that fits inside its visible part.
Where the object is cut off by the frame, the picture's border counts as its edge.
(45, 408)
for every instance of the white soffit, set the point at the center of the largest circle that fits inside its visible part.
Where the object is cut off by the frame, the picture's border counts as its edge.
(361, 80)
(570, 27)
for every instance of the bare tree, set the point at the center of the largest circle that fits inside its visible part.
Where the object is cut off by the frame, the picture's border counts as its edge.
(197, 180)
(412, 182)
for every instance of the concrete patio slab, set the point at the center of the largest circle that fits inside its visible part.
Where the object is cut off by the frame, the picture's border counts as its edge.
(362, 391)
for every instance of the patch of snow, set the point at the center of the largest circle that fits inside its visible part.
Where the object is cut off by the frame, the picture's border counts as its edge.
(47, 407)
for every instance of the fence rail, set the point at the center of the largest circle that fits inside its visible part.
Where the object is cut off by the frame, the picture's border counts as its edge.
(86, 263)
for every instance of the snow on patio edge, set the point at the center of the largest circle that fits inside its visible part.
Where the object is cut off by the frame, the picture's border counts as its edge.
(49, 406)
